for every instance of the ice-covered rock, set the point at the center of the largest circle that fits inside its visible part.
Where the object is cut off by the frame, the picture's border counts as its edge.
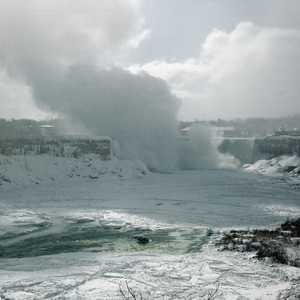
(102, 170)
(246, 241)
(256, 245)
(87, 159)
(242, 248)
(248, 236)
(286, 232)
(231, 246)
(85, 220)
(269, 260)
(295, 240)
(6, 178)
(94, 175)
(275, 242)
(221, 248)
(237, 240)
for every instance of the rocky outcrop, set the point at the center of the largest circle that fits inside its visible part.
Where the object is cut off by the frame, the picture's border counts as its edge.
(281, 245)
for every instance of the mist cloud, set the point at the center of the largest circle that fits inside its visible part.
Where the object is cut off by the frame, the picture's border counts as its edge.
(138, 111)
(64, 51)
(248, 72)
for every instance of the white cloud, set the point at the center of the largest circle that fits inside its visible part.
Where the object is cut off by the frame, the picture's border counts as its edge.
(16, 101)
(248, 72)
(67, 30)
(135, 42)
(40, 39)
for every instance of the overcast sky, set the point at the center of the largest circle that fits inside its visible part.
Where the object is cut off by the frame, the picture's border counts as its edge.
(219, 59)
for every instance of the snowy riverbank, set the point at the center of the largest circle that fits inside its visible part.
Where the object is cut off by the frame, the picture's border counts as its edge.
(38, 169)
(286, 168)
(43, 169)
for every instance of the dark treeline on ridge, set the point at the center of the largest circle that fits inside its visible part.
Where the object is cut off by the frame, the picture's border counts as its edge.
(27, 128)
(258, 126)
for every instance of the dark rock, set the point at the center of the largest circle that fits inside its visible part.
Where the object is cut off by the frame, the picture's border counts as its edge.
(5, 178)
(140, 239)
(256, 245)
(290, 168)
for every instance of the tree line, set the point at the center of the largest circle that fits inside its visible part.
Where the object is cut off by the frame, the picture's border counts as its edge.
(32, 129)
(253, 126)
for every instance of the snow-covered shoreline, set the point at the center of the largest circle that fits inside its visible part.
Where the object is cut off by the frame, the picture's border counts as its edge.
(286, 168)
(43, 169)
(36, 169)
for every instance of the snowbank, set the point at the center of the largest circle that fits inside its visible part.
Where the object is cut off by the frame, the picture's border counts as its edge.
(38, 169)
(286, 167)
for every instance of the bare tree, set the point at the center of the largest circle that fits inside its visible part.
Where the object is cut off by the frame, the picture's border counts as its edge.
(129, 294)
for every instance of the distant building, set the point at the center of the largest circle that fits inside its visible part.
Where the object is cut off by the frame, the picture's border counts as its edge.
(282, 131)
(185, 132)
(49, 130)
(227, 132)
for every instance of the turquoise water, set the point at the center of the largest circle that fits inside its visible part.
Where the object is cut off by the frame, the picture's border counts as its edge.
(170, 210)
(37, 241)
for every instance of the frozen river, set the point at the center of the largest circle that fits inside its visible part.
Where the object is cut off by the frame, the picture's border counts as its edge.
(73, 240)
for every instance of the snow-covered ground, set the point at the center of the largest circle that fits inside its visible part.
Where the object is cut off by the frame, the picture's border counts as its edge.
(286, 168)
(65, 228)
(37, 169)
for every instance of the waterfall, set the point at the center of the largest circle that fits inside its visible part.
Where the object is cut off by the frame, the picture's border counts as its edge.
(240, 148)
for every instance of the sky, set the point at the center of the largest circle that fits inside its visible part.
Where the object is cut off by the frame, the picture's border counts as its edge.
(149, 59)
